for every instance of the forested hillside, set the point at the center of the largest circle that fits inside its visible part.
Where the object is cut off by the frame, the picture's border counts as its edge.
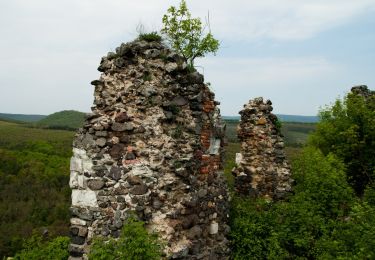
(21, 117)
(67, 119)
(34, 191)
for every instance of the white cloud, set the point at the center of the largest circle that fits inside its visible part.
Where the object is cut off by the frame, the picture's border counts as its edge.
(50, 49)
(283, 20)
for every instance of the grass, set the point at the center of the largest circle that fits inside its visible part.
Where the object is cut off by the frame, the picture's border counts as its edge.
(150, 37)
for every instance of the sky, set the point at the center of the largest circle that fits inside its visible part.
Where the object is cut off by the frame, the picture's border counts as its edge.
(300, 54)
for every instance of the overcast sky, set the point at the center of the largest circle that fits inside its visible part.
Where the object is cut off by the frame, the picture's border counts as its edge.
(301, 54)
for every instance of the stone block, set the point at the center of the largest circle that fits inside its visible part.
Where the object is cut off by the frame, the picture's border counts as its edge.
(76, 164)
(73, 180)
(84, 198)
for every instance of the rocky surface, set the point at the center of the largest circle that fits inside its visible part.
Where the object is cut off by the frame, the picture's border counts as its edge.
(153, 145)
(262, 169)
(363, 91)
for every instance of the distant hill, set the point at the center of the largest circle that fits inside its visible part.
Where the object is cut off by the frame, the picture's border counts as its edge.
(21, 117)
(67, 119)
(285, 118)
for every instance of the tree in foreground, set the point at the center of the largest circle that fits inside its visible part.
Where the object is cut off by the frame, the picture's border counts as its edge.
(347, 129)
(187, 35)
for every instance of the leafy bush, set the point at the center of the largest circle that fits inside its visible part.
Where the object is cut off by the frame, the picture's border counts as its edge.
(347, 129)
(301, 226)
(35, 248)
(135, 243)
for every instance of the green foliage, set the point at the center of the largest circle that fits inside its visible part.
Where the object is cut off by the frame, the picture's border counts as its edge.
(135, 243)
(186, 34)
(278, 125)
(67, 120)
(347, 129)
(150, 37)
(322, 220)
(35, 248)
(35, 162)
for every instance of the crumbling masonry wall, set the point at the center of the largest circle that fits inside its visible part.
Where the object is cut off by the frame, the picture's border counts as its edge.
(262, 169)
(153, 145)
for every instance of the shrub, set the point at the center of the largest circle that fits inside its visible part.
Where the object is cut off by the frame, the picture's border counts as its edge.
(298, 227)
(35, 249)
(135, 243)
(347, 130)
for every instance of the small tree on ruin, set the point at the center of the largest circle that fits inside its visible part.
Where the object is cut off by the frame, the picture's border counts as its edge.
(187, 35)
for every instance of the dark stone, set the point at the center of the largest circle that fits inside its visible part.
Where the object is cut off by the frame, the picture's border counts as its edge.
(140, 130)
(182, 172)
(95, 184)
(74, 231)
(77, 240)
(139, 189)
(96, 83)
(169, 115)
(197, 106)
(125, 50)
(103, 204)
(82, 213)
(115, 173)
(75, 250)
(118, 127)
(105, 64)
(179, 101)
(202, 193)
(122, 117)
(116, 233)
(120, 62)
(100, 170)
(117, 151)
(195, 78)
(124, 139)
(134, 180)
(194, 232)
(157, 204)
(120, 199)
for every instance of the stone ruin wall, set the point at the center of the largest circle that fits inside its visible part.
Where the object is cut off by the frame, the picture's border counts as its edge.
(261, 167)
(153, 145)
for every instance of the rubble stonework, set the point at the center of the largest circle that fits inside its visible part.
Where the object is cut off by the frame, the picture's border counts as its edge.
(261, 168)
(152, 145)
(363, 91)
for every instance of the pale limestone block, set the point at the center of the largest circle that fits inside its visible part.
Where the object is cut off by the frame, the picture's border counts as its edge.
(76, 164)
(82, 181)
(79, 153)
(73, 181)
(214, 228)
(87, 165)
(84, 198)
(239, 158)
(78, 222)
